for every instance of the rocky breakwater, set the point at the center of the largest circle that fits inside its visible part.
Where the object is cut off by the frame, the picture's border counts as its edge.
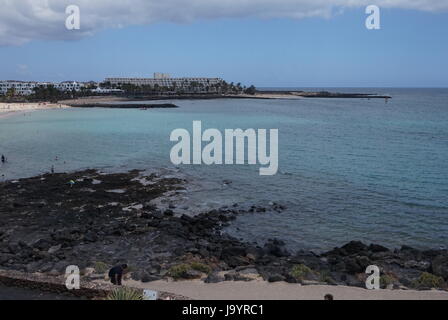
(96, 220)
(142, 106)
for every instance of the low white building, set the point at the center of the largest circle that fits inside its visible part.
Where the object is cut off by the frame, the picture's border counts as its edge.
(70, 86)
(20, 87)
(24, 88)
(105, 90)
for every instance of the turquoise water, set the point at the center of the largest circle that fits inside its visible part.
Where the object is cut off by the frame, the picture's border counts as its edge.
(348, 169)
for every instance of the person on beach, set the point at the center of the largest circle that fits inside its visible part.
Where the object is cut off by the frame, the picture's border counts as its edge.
(3, 158)
(116, 274)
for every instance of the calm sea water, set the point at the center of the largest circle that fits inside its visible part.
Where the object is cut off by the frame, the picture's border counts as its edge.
(349, 169)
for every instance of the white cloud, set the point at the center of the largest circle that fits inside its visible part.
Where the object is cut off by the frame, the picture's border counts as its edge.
(25, 20)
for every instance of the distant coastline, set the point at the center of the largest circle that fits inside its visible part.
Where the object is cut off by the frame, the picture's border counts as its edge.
(271, 95)
(113, 101)
(325, 94)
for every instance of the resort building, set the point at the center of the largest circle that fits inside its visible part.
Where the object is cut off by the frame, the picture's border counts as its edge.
(25, 88)
(69, 86)
(164, 80)
(20, 87)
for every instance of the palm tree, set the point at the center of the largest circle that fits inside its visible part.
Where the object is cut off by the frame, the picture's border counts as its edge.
(11, 92)
(251, 90)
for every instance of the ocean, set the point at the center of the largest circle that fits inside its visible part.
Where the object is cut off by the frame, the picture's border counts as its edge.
(349, 169)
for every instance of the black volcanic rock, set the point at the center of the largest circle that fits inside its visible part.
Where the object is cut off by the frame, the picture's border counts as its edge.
(56, 225)
(126, 105)
(439, 266)
(354, 247)
(276, 248)
(377, 248)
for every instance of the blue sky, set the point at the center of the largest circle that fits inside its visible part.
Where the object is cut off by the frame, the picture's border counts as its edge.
(410, 50)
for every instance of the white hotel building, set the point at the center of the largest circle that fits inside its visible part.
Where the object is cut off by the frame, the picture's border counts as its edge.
(26, 87)
(21, 87)
(69, 86)
(164, 80)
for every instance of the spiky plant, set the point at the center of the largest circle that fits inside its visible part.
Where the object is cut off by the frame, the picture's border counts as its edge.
(125, 293)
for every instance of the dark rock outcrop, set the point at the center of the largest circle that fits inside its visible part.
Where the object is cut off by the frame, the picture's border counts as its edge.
(105, 219)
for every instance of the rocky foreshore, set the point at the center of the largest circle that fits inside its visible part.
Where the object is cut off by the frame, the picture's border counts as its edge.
(126, 106)
(95, 220)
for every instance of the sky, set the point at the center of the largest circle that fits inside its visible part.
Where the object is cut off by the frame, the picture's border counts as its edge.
(267, 43)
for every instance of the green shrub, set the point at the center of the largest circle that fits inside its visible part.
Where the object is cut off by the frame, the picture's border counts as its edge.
(125, 293)
(301, 271)
(178, 271)
(198, 266)
(428, 280)
(386, 280)
(101, 267)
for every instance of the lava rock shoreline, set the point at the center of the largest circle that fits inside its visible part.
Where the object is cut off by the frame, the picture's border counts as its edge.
(96, 220)
(142, 106)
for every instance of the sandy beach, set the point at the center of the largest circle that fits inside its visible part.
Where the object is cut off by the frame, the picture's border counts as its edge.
(263, 290)
(94, 99)
(9, 109)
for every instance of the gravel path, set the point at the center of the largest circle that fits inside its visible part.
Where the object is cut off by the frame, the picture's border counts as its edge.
(12, 293)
